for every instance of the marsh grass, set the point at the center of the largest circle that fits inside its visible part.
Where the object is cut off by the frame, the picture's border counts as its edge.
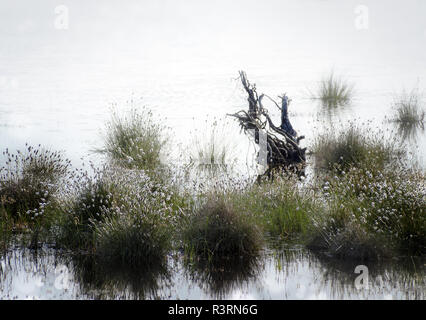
(281, 207)
(216, 230)
(353, 146)
(334, 91)
(134, 140)
(120, 215)
(131, 240)
(29, 181)
(409, 113)
(88, 199)
(6, 227)
(408, 108)
(212, 150)
(373, 214)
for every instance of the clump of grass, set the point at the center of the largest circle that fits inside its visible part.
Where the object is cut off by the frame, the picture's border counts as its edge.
(87, 201)
(6, 227)
(408, 108)
(139, 232)
(29, 180)
(408, 113)
(212, 151)
(353, 147)
(134, 140)
(120, 215)
(132, 240)
(334, 91)
(372, 214)
(282, 207)
(95, 199)
(217, 230)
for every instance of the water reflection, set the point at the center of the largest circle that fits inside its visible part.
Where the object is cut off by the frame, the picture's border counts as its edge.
(109, 282)
(221, 276)
(280, 273)
(387, 279)
(410, 130)
(36, 274)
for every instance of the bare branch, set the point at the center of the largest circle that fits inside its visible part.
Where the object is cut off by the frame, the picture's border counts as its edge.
(283, 147)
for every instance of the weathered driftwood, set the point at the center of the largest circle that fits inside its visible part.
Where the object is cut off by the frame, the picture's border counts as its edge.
(283, 150)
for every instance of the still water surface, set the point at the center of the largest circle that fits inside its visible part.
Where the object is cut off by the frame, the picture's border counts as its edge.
(285, 274)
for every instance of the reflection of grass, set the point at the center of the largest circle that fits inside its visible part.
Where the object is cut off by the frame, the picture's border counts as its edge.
(409, 114)
(220, 276)
(109, 281)
(334, 91)
(410, 130)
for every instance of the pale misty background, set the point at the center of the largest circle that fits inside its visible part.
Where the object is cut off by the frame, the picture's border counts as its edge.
(182, 59)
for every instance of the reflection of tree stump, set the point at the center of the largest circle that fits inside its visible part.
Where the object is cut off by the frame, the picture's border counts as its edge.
(283, 151)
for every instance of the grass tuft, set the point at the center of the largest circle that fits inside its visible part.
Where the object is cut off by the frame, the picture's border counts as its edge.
(29, 180)
(408, 108)
(212, 150)
(120, 215)
(334, 91)
(409, 114)
(217, 230)
(372, 214)
(353, 147)
(131, 240)
(281, 207)
(134, 140)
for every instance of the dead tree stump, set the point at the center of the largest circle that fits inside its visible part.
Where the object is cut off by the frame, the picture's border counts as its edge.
(283, 150)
